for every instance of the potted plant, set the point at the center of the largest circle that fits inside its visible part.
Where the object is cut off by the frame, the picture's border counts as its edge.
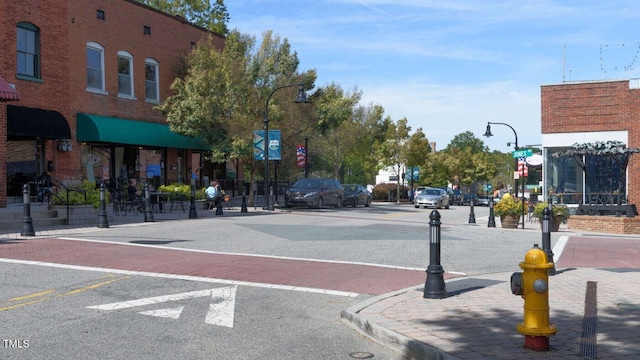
(559, 213)
(509, 209)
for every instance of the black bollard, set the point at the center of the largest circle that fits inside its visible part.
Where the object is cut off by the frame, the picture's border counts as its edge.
(27, 222)
(148, 211)
(550, 207)
(492, 218)
(546, 239)
(192, 208)
(434, 287)
(244, 200)
(271, 208)
(103, 222)
(472, 215)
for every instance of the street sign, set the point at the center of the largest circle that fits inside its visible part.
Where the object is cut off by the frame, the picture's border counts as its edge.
(522, 153)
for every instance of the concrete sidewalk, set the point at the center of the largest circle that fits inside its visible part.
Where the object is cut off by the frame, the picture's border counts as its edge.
(478, 318)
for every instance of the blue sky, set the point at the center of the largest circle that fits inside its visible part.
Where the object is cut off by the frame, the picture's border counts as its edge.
(450, 66)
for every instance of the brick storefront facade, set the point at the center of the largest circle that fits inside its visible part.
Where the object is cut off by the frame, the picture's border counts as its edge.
(588, 112)
(65, 28)
(596, 107)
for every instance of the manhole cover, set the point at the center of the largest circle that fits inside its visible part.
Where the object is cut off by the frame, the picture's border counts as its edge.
(361, 355)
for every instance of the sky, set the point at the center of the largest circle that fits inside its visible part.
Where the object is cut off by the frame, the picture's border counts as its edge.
(451, 66)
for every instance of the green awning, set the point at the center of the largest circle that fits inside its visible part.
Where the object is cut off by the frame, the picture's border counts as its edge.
(104, 129)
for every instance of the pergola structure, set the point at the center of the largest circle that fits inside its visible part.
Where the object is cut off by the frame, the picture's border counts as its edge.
(612, 201)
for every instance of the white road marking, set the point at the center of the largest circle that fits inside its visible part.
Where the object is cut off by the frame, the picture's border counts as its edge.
(221, 313)
(184, 277)
(172, 313)
(221, 310)
(557, 250)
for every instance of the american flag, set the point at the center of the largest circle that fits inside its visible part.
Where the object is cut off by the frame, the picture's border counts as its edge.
(523, 169)
(301, 151)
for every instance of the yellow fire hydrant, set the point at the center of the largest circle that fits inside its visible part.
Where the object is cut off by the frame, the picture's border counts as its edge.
(533, 285)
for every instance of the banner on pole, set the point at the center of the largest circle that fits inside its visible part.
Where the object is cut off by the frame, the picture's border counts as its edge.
(274, 145)
(301, 155)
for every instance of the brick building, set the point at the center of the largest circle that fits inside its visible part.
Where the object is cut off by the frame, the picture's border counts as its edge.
(589, 112)
(88, 75)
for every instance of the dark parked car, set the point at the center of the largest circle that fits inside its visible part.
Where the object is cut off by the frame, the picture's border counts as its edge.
(457, 197)
(314, 193)
(483, 200)
(450, 194)
(467, 199)
(355, 195)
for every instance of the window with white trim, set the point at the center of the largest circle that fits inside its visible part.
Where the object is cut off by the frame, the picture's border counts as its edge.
(151, 80)
(28, 49)
(95, 67)
(125, 74)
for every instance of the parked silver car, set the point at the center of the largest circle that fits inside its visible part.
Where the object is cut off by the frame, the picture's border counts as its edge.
(432, 197)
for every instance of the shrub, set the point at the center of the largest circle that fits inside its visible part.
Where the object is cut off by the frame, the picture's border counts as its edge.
(77, 195)
(181, 189)
(509, 205)
(557, 211)
(381, 192)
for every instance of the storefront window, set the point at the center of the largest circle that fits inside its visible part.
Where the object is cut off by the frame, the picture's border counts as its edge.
(605, 179)
(563, 178)
(95, 163)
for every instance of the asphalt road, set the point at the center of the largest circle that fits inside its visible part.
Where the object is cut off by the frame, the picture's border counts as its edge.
(257, 285)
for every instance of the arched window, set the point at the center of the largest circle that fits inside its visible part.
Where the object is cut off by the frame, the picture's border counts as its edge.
(125, 75)
(95, 67)
(28, 49)
(151, 75)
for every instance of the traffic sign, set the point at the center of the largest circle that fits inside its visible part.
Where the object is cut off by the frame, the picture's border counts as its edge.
(487, 187)
(522, 153)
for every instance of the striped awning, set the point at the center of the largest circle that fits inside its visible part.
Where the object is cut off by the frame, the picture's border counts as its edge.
(7, 92)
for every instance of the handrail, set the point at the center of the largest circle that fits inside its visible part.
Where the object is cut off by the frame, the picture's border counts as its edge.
(57, 183)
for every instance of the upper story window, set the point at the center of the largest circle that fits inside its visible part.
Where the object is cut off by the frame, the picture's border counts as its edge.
(125, 74)
(28, 48)
(95, 67)
(151, 80)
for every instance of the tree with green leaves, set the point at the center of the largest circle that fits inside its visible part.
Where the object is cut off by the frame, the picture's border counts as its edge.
(209, 14)
(392, 152)
(467, 159)
(335, 124)
(370, 128)
(222, 97)
(418, 151)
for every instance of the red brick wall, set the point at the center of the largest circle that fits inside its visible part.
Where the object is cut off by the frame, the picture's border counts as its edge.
(52, 92)
(66, 26)
(122, 29)
(596, 106)
(605, 224)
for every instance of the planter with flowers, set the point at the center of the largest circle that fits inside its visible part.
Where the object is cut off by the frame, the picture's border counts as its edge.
(559, 214)
(509, 209)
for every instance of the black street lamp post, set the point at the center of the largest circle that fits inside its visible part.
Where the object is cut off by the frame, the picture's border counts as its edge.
(489, 134)
(302, 98)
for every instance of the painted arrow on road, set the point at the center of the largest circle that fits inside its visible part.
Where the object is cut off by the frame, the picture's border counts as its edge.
(221, 310)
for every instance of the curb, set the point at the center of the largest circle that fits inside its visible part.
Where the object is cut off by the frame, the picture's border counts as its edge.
(409, 348)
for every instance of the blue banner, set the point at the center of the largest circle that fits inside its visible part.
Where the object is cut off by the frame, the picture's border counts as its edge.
(274, 145)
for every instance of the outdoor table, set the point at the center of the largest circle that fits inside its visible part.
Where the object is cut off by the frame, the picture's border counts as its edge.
(158, 198)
